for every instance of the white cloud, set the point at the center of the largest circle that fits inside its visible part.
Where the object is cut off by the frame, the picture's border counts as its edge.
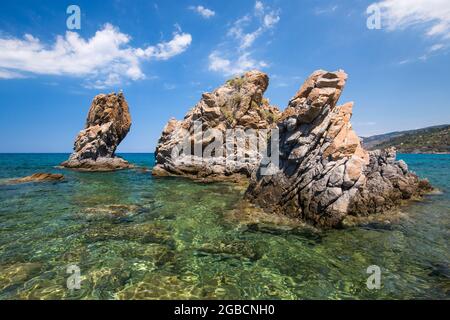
(259, 7)
(364, 124)
(281, 84)
(325, 10)
(232, 62)
(267, 19)
(167, 50)
(271, 19)
(204, 12)
(436, 47)
(105, 60)
(232, 67)
(405, 61)
(434, 14)
(6, 74)
(433, 50)
(169, 86)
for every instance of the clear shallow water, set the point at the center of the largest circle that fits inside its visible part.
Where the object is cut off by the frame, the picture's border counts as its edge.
(135, 237)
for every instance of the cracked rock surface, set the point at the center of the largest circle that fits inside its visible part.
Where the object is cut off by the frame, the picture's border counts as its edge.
(324, 173)
(107, 124)
(238, 104)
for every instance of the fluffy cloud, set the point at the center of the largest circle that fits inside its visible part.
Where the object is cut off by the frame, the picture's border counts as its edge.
(167, 50)
(243, 33)
(105, 60)
(6, 74)
(232, 67)
(400, 14)
(259, 7)
(204, 12)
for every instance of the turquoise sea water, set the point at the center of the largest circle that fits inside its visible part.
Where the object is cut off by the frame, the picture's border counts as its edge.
(136, 237)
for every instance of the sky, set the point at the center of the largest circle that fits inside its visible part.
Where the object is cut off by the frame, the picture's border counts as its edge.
(165, 54)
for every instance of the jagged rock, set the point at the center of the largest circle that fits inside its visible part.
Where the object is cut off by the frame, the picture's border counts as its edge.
(38, 177)
(107, 124)
(324, 173)
(238, 104)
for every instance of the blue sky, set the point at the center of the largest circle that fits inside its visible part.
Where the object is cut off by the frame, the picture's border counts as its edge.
(164, 54)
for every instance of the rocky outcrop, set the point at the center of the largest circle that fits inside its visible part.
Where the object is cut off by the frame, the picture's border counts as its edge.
(38, 177)
(107, 124)
(324, 174)
(197, 147)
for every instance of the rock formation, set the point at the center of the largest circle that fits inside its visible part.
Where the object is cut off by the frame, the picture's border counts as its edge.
(38, 177)
(324, 174)
(237, 105)
(107, 124)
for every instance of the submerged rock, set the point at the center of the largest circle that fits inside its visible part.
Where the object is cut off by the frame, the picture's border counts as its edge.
(14, 275)
(324, 173)
(107, 124)
(237, 105)
(38, 177)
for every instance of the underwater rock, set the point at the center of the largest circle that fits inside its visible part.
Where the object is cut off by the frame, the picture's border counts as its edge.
(236, 105)
(230, 249)
(324, 173)
(144, 233)
(160, 286)
(38, 177)
(107, 124)
(16, 274)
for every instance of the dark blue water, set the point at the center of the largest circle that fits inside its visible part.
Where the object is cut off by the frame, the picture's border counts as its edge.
(136, 237)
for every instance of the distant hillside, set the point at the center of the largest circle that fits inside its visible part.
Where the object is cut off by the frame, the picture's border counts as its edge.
(427, 140)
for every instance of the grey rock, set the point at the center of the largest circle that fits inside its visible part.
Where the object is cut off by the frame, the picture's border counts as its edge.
(238, 105)
(325, 174)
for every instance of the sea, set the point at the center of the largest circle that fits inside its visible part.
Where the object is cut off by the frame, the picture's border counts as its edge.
(128, 235)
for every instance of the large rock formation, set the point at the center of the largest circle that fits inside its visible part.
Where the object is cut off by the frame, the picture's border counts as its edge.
(324, 174)
(238, 105)
(107, 124)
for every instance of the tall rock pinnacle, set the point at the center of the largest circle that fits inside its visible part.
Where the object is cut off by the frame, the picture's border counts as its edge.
(107, 124)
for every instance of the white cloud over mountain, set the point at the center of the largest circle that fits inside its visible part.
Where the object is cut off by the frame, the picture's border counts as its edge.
(105, 60)
(232, 67)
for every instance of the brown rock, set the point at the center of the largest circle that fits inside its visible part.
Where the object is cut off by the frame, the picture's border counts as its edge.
(107, 124)
(38, 177)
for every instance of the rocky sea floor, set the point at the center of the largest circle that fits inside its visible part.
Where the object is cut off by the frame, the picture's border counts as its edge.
(136, 237)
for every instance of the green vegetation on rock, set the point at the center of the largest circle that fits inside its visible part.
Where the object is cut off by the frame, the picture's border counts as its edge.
(236, 82)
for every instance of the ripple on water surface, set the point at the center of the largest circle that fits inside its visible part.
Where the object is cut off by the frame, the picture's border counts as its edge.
(135, 237)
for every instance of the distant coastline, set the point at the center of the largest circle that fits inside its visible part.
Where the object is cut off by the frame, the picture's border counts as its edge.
(429, 140)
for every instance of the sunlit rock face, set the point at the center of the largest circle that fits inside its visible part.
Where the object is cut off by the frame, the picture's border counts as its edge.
(324, 174)
(234, 107)
(107, 124)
